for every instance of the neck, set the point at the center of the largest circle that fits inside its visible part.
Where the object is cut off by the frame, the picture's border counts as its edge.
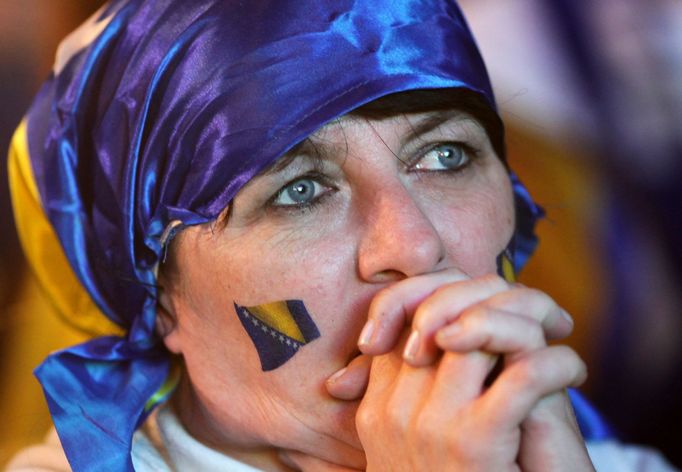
(198, 423)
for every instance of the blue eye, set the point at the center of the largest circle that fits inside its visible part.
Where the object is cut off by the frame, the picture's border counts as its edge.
(447, 156)
(300, 192)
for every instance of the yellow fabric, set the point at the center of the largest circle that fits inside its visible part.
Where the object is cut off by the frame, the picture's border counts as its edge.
(32, 331)
(43, 250)
(277, 316)
(30, 323)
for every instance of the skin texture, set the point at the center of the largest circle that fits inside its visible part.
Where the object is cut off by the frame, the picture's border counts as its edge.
(396, 238)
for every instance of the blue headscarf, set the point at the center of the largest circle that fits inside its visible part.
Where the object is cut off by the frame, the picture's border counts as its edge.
(157, 114)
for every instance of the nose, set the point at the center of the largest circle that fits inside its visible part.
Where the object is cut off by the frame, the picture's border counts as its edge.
(399, 240)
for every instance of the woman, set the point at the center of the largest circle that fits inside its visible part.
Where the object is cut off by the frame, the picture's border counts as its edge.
(293, 212)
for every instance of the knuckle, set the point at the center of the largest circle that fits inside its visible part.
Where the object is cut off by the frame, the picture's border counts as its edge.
(554, 365)
(571, 357)
(527, 373)
(425, 429)
(535, 333)
(480, 317)
(367, 418)
(467, 446)
(572, 369)
(543, 300)
(476, 319)
(461, 437)
(430, 311)
(567, 353)
(397, 417)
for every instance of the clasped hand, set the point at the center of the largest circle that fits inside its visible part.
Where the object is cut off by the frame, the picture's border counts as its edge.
(456, 374)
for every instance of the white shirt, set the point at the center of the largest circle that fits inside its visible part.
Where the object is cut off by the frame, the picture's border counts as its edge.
(163, 445)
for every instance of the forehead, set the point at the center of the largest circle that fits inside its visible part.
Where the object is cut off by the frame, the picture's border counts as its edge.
(424, 108)
(394, 126)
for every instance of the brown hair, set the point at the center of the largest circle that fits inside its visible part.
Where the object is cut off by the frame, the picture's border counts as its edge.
(418, 101)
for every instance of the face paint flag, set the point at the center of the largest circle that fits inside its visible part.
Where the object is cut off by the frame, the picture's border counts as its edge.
(278, 330)
(505, 266)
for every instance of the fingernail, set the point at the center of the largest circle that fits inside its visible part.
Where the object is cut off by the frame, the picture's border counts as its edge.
(412, 346)
(566, 316)
(337, 375)
(366, 334)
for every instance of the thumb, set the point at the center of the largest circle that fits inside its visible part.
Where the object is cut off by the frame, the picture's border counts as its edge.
(350, 382)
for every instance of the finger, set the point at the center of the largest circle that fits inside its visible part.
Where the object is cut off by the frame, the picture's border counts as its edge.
(536, 304)
(516, 299)
(304, 462)
(350, 382)
(394, 393)
(410, 391)
(484, 328)
(460, 379)
(392, 309)
(521, 385)
(443, 307)
(383, 371)
(550, 412)
(551, 437)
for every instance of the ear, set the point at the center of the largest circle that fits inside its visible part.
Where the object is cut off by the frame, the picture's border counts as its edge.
(167, 321)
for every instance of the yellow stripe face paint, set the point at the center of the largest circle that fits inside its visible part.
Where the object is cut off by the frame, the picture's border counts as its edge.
(278, 330)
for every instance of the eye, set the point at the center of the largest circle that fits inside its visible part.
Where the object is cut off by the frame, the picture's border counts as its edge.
(300, 192)
(446, 156)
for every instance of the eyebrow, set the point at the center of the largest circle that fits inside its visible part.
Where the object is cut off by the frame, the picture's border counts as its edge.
(431, 122)
(286, 159)
(306, 149)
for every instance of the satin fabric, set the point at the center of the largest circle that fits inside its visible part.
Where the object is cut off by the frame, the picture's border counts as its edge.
(157, 113)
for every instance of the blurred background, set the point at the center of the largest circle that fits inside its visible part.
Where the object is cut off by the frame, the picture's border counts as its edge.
(592, 96)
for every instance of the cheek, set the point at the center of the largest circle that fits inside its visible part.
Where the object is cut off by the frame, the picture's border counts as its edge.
(317, 269)
(303, 266)
(478, 228)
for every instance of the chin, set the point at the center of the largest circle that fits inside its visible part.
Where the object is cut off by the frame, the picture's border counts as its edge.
(339, 421)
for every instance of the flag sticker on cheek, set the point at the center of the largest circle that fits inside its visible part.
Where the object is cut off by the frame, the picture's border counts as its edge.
(278, 330)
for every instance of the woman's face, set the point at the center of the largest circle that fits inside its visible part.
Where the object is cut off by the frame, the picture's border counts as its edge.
(359, 205)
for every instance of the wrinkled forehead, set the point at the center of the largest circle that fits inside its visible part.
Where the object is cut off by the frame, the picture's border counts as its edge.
(411, 114)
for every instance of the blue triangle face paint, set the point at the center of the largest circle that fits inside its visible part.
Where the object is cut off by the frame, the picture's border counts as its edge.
(278, 330)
